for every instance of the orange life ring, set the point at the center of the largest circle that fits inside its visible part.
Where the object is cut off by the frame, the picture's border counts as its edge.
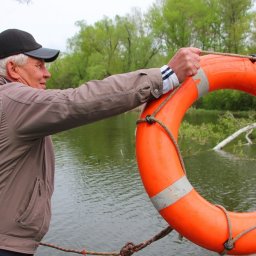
(161, 170)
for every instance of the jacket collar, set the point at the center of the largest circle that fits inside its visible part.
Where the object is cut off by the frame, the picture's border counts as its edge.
(4, 80)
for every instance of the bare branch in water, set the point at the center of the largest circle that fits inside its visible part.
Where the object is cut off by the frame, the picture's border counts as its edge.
(247, 129)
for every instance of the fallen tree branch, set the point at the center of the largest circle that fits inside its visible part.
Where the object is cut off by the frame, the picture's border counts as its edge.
(235, 135)
(247, 136)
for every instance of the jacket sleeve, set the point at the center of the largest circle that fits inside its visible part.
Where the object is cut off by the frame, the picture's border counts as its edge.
(34, 113)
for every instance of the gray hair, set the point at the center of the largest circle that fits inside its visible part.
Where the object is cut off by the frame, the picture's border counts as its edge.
(19, 59)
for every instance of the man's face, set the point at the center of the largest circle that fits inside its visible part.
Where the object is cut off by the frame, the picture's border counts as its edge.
(33, 73)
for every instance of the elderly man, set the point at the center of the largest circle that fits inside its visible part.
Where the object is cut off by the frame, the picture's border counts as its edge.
(29, 114)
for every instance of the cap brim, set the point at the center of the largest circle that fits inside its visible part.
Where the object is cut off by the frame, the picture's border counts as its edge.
(46, 54)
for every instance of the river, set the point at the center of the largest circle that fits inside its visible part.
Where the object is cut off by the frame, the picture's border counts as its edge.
(100, 203)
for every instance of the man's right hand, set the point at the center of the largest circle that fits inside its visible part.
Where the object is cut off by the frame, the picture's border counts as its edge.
(185, 62)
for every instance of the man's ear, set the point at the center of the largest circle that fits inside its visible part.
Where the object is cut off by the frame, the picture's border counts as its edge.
(11, 69)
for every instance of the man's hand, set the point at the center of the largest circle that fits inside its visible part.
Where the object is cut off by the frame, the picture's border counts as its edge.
(185, 62)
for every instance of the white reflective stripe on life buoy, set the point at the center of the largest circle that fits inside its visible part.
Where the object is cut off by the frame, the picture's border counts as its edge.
(203, 85)
(172, 194)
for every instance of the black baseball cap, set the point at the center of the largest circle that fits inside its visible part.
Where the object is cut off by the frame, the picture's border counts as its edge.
(15, 41)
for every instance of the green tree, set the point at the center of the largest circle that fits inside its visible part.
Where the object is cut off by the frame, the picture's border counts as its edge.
(236, 20)
(252, 35)
(105, 48)
(221, 25)
(137, 41)
(186, 23)
(67, 71)
(98, 44)
(138, 47)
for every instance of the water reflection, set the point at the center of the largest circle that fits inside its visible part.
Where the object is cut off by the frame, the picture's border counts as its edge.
(224, 179)
(100, 203)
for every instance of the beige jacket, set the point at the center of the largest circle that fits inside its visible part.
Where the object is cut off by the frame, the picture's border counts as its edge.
(27, 117)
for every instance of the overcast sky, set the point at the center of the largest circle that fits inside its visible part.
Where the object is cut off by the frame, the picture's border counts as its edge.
(52, 22)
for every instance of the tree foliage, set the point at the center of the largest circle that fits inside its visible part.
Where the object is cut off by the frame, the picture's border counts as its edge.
(146, 40)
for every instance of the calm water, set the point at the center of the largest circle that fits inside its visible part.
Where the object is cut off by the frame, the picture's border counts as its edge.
(99, 201)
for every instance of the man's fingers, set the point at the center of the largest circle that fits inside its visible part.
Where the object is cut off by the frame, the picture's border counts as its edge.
(185, 62)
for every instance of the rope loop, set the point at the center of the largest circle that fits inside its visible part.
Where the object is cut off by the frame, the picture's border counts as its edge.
(128, 249)
(150, 119)
(230, 243)
(84, 252)
(253, 59)
(131, 248)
